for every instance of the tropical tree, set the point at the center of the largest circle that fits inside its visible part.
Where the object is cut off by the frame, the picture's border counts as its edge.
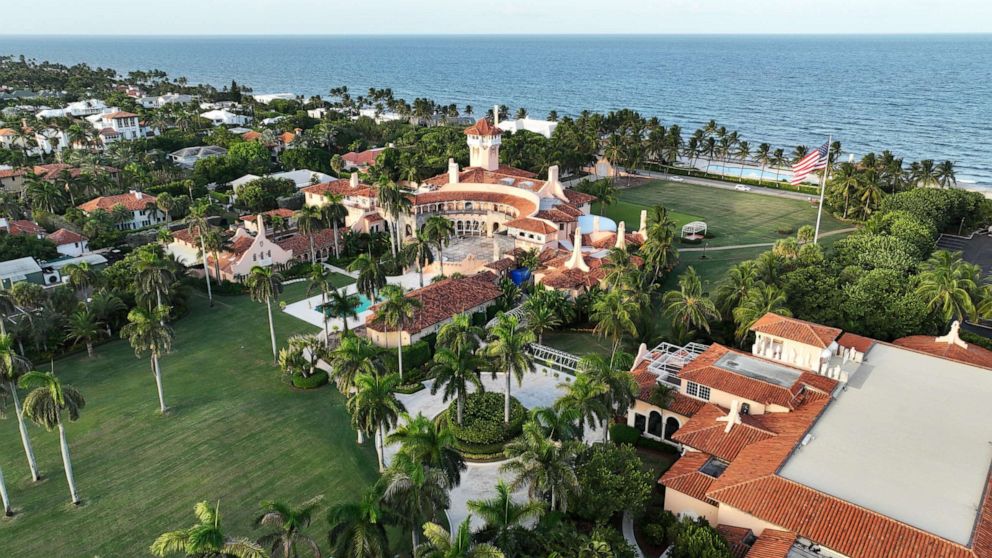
(12, 367)
(509, 354)
(287, 524)
(732, 291)
(395, 311)
(454, 371)
(544, 466)
(925, 174)
(319, 281)
(759, 301)
(459, 334)
(621, 389)
(585, 397)
(153, 277)
(357, 529)
(613, 313)
(688, 308)
(559, 424)
(950, 286)
(334, 212)
(213, 241)
(431, 444)
(205, 539)
(371, 276)
(106, 306)
(422, 252)
(82, 277)
(310, 220)
(415, 493)
(147, 332)
(45, 405)
(440, 231)
(441, 544)
(343, 306)
(265, 285)
(503, 516)
(82, 327)
(197, 225)
(375, 408)
(945, 174)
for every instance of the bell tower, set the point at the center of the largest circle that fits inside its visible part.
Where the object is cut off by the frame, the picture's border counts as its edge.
(483, 145)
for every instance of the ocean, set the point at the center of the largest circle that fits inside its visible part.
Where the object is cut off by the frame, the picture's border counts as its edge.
(919, 96)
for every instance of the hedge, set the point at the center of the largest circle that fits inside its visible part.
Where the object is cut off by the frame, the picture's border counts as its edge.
(482, 423)
(414, 356)
(312, 381)
(409, 389)
(623, 434)
(801, 189)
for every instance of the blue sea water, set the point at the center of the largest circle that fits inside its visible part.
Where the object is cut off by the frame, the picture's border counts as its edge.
(920, 96)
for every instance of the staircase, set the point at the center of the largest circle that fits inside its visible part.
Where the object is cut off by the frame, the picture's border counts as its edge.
(952, 243)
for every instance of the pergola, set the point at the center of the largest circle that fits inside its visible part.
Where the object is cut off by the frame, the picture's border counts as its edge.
(695, 230)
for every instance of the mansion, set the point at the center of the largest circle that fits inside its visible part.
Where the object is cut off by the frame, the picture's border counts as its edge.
(824, 443)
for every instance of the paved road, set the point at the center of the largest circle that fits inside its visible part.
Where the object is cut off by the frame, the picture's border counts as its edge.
(760, 244)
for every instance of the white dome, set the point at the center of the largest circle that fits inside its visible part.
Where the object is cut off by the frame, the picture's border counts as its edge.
(605, 224)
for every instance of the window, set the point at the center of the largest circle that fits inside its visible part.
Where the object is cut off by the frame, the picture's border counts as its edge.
(254, 257)
(696, 390)
(714, 467)
(745, 408)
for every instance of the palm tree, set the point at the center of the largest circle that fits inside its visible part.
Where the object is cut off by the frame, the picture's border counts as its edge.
(540, 317)
(845, 182)
(544, 466)
(759, 301)
(213, 242)
(440, 231)
(265, 285)
(459, 334)
(441, 544)
(357, 529)
(205, 539)
(288, 523)
(375, 408)
(197, 224)
(83, 328)
(613, 314)
(455, 371)
(371, 276)
(153, 276)
(395, 310)
(502, 515)
(422, 251)
(342, 306)
(105, 305)
(310, 220)
(319, 280)
(82, 277)
(950, 286)
(147, 331)
(764, 156)
(415, 493)
(732, 291)
(742, 152)
(431, 444)
(945, 174)
(584, 397)
(508, 351)
(12, 367)
(688, 308)
(559, 424)
(44, 405)
(621, 389)
(394, 201)
(925, 174)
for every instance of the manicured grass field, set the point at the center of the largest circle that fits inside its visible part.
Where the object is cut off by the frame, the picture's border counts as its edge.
(235, 434)
(296, 292)
(733, 217)
(578, 342)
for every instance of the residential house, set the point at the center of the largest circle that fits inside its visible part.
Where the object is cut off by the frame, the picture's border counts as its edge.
(166, 99)
(120, 125)
(362, 160)
(224, 117)
(14, 180)
(21, 227)
(21, 269)
(143, 210)
(188, 156)
(69, 243)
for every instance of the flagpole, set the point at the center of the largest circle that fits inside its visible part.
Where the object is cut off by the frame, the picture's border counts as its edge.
(823, 189)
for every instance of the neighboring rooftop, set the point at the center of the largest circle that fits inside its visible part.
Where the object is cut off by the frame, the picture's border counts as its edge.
(804, 332)
(135, 201)
(446, 298)
(882, 445)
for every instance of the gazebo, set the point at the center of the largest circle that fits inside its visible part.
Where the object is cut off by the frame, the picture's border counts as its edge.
(695, 230)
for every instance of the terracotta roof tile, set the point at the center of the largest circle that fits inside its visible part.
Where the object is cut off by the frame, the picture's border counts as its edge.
(772, 544)
(797, 330)
(65, 236)
(300, 244)
(702, 370)
(974, 354)
(856, 342)
(684, 476)
(24, 227)
(134, 201)
(363, 158)
(522, 205)
(442, 300)
(556, 215)
(251, 135)
(342, 188)
(736, 538)
(280, 212)
(576, 197)
(505, 175)
(482, 127)
(532, 225)
(704, 433)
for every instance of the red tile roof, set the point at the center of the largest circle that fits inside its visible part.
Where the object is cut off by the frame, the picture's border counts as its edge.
(444, 299)
(482, 127)
(702, 370)
(576, 197)
(736, 538)
(704, 433)
(24, 227)
(684, 476)
(800, 331)
(856, 342)
(300, 244)
(521, 204)
(7, 132)
(134, 201)
(280, 212)
(363, 158)
(974, 354)
(504, 176)
(65, 236)
(532, 225)
(251, 135)
(556, 215)
(341, 188)
(119, 114)
(772, 544)
(287, 137)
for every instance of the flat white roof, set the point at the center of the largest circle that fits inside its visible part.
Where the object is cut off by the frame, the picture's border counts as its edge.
(909, 437)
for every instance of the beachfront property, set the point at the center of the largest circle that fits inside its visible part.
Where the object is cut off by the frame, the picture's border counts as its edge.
(224, 117)
(77, 109)
(188, 156)
(543, 127)
(269, 97)
(166, 99)
(818, 442)
(142, 208)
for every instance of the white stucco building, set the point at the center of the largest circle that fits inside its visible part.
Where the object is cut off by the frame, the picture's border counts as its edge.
(224, 117)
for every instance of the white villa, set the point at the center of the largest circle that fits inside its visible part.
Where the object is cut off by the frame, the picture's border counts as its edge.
(79, 108)
(167, 99)
(188, 156)
(224, 117)
(301, 178)
(115, 125)
(144, 212)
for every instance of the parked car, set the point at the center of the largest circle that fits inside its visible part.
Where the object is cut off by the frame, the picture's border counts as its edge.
(742, 188)
(676, 179)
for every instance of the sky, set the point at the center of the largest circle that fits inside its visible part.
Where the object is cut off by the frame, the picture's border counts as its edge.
(433, 17)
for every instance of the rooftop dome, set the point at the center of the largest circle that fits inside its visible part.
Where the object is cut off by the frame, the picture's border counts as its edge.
(605, 224)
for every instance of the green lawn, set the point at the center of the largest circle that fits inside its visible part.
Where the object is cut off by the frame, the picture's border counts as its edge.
(296, 292)
(577, 342)
(733, 217)
(235, 433)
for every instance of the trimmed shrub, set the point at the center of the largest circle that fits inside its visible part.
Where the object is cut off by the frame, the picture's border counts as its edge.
(414, 356)
(313, 381)
(623, 434)
(479, 319)
(658, 445)
(483, 420)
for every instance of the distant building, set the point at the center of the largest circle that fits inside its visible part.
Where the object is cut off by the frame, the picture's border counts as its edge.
(12, 180)
(69, 243)
(53, 270)
(21, 269)
(301, 178)
(268, 98)
(120, 125)
(188, 156)
(21, 227)
(167, 99)
(78, 109)
(543, 127)
(224, 117)
(361, 160)
(144, 212)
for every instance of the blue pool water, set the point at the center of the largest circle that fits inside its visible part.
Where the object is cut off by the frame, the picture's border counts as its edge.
(364, 304)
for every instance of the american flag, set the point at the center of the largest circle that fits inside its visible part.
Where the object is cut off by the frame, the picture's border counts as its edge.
(814, 161)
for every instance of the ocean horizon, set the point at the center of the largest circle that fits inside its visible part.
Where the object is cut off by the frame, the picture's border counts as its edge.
(920, 96)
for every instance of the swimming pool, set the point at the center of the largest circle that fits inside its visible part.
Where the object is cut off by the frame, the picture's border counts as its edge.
(363, 305)
(749, 172)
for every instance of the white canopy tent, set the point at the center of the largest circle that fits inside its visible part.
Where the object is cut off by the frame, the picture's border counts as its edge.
(695, 230)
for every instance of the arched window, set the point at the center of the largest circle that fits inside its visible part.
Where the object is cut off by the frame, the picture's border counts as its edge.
(671, 427)
(654, 424)
(640, 422)
(468, 206)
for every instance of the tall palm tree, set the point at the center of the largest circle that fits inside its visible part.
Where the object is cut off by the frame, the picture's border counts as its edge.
(945, 174)
(82, 277)
(621, 389)
(422, 250)
(459, 334)
(343, 306)
(742, 152)
(584, 396)
(153, 277)
(310, 220)
(764, 156)
(197, 224)
(544, 466)
(213, 242)
(288, 524)
(925, 174)
(12, 367)
(502, 515)
(82, 327)
(845, 181)
(439, 230)
(146, 331)
(613, 313)
(509, 354)
(415, 493)
(105, 306)
(371, 276)
(375, 408)
(758, 302)
(732, 291)
(950, 286)
(357, 530)
(205, 539)
(541, 317)
(441, 544)
(688, 308)
(431, 444)
(334, 212)
(265, 285)
(559, 424)
(455, 371)
(319, 281)
(394, 201)
(45, 404)
(395, 311)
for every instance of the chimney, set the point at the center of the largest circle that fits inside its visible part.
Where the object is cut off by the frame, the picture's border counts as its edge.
(621, 236)
(576, 261)
(354, 180)
(452, 172)
(496, 254)
(553, 173)
(643, 230)
(137, 195)
(496, 115)
(260, 223)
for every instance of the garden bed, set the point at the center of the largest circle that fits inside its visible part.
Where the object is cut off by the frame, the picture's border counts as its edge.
(483, 435)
